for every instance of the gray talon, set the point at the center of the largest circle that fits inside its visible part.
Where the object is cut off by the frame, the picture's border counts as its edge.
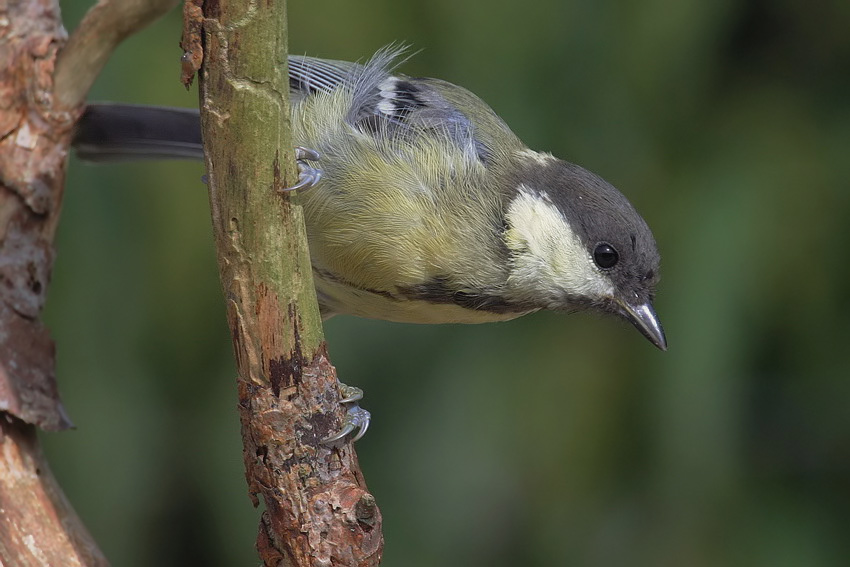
(356, 418)
(362, 418)
(346, 429)
(307, 176)
(349, 393)
(303, 153)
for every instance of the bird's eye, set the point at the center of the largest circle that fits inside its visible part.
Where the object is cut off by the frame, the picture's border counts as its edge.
(605, 256)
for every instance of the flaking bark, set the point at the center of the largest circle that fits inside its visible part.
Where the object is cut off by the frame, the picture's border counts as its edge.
(42, 86)
(317, 509)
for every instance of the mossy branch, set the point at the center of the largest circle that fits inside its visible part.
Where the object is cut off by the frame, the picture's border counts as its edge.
(317, 509)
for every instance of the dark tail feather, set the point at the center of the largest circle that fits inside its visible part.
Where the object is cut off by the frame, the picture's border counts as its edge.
(110, 132)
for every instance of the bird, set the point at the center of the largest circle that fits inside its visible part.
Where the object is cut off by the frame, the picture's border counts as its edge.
(422, 206)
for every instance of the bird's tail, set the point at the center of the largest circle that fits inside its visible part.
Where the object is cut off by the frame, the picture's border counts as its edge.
(109, 132)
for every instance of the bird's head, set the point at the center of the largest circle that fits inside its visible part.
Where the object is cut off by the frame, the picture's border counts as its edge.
(575, 242)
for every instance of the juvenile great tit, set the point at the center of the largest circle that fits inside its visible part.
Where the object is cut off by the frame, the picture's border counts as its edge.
(423, 206)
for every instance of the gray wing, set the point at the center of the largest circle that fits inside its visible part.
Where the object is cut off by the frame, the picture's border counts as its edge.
(384, 103)
(309, 75)
(393, 105)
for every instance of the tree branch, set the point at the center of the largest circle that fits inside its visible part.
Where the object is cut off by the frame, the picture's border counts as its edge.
(38, 526)
(103, 28)
(41, 94)
(318, 511)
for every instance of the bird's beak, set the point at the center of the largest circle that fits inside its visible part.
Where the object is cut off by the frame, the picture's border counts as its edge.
(644, 318)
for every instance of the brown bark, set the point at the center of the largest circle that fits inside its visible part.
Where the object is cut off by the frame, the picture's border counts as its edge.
(38, 526)
(317, 509)
(41, 94)
(34, 138)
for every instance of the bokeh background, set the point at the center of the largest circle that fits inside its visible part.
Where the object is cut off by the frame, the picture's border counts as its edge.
(549, 440)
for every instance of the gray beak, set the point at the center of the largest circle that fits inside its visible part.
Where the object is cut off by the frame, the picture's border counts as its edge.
(644, 318)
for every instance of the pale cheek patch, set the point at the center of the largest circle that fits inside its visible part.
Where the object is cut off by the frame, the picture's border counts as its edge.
(549, 260)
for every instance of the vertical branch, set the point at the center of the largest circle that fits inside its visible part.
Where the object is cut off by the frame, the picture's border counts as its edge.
(37, 525)
(40, 98)
(317, 509)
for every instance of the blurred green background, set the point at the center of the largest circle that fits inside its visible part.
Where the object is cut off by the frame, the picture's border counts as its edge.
(549, 440)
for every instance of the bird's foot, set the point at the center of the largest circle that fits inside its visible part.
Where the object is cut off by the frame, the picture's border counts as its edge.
(307, 176)
(356, 418)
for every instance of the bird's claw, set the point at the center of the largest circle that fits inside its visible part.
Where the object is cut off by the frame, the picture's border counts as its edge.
(356, 419)
(350, 394)
(302, 153)
(307, 176)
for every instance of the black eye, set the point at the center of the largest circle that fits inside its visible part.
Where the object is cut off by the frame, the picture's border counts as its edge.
(605, 256)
